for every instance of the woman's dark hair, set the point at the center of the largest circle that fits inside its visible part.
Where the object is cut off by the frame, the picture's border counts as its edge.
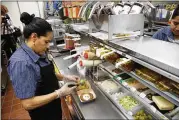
(176, 12)
(34, 25)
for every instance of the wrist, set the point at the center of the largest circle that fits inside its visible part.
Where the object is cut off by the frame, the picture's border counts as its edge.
(58, 94)
(65, 78)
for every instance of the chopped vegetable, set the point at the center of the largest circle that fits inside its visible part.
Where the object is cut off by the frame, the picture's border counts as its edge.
(141, 115)
(128, 102)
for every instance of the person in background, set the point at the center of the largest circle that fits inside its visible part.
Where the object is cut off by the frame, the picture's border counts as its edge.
(7, 32)
(32, 74)
(170, 33)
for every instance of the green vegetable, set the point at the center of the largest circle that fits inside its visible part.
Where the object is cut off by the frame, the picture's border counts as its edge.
(82, 81)
(128, 102)
(141, 115)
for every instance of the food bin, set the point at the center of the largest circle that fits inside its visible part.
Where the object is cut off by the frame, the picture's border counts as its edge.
(121, 89)
(147, 111)
(130, 111)
(109, 92)
(122, 77)
(86, 95)
(101, 75)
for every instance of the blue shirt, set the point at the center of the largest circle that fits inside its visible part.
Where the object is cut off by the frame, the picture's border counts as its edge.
(24, 71)
(164, 34)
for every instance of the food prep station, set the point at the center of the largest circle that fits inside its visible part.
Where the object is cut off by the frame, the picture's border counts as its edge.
(132, 75)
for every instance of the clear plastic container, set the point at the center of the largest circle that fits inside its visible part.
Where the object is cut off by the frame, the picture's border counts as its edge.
(130, 111)
(110, 91)
(147, 111)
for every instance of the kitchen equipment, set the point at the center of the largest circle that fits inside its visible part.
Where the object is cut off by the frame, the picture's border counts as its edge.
(126, 8)
(94, 7)
(136, 8)
(81, 10)
(118, 8)
(84, 11)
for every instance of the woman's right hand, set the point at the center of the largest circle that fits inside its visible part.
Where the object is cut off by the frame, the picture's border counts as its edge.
(66, 89)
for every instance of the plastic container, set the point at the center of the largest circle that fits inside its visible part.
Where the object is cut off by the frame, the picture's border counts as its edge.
(121, 89)
(82, 95)
(109, 91)
(133, 108)
(101, 75)
(147, 111)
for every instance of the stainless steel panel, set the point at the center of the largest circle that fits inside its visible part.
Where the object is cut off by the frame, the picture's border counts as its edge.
(159, 53)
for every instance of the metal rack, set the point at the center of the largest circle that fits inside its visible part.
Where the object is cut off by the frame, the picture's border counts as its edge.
(140, 98)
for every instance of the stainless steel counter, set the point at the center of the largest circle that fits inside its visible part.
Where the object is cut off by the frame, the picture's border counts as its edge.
(101, 108)
(159, 53)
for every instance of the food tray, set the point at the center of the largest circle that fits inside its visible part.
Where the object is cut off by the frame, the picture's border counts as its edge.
(79, 93)
(122, 77)
(99, 83)
(113, 100)
(131, 110)
(100, 75)
(121, 89)
(145, 93)
(147, 111)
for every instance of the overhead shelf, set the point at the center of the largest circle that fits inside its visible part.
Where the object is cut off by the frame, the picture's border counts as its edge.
(157, 55)
(173, 98)
(168, 68)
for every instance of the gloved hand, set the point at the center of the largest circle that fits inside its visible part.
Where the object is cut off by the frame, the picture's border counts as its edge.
(71, 78)
(66, 89)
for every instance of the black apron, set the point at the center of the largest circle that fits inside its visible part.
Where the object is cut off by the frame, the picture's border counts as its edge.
(47, 84)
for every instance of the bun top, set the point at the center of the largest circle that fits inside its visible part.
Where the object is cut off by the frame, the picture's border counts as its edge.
(26, 18)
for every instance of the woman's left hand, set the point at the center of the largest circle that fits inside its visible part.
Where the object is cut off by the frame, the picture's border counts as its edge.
(71, 78)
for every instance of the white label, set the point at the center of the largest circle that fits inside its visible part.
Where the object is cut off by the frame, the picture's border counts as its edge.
(153, 109)
(124, 83)
(142, 95)
(129, 113)
(119, 78)
(133, 89)
(101, 44)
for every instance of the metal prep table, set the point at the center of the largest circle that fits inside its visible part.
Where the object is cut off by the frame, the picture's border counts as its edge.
(101, 108)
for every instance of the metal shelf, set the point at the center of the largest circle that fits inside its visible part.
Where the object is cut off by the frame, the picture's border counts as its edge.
(157, 113)
(131, 55)
(167, 95)
(139, 50)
